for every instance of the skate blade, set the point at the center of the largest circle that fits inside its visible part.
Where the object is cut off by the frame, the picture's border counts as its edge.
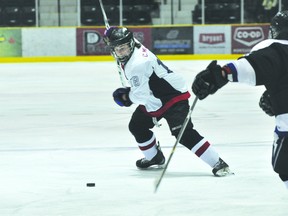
(224, 173)
(153, 167)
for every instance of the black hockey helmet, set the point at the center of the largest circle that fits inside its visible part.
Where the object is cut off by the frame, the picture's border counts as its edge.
(115, 36)
(279, 26)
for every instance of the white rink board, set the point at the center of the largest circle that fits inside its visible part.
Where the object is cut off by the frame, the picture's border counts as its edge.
(48, 42)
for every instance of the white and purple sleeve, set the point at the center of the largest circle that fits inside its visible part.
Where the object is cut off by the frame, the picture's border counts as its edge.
(240, 71)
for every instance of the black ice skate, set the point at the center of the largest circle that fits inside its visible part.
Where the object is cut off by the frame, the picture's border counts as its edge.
(221, 169)
(157, 160)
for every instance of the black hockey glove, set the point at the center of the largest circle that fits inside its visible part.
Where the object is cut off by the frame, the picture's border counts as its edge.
(265, 104)
(121, 97)
(208, 81)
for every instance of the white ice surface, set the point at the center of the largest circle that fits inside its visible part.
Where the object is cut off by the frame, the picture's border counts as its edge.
(60, 129)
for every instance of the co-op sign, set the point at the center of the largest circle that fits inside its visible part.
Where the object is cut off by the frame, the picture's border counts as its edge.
(248, 36)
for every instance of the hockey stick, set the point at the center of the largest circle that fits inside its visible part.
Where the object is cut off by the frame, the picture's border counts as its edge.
(120, 70)
(158, 181)
(104, 15)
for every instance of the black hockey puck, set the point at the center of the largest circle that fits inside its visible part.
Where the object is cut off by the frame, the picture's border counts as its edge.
(90, 184)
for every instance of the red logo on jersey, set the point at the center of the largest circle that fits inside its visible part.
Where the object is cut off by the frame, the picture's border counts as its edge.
(144, 52)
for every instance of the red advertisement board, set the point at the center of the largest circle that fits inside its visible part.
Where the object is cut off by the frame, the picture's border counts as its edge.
(245, 37)
(179, 40)
(90, 40)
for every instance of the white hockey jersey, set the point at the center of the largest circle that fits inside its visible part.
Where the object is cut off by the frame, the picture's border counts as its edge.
(153, 85)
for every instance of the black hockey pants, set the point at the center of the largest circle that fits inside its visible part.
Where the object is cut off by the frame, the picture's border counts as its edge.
(280, 157)
(141, 124)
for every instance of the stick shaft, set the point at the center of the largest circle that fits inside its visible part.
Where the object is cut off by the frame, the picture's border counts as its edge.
(120, 70)
(176, 143)
(104, 15)
(121, 75)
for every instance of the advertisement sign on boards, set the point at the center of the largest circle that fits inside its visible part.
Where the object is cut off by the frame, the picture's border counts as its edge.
(212, 39)
(172, 40)
(10, 43)
(90, 40)
(245, 37)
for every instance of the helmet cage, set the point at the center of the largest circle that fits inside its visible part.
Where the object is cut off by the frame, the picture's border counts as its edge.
(124, 58)
(117, 37)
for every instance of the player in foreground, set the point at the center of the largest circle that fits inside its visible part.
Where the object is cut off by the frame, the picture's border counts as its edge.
(266, 64)
(159, 93)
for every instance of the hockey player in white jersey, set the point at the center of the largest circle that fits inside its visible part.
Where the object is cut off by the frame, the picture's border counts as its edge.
(158, 93)
(266, 64)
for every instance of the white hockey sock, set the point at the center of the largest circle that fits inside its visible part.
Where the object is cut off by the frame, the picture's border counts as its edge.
(286, 184)
(206, 152)
(149, 148)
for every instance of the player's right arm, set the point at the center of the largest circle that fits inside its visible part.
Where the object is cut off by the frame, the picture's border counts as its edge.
(261, 67)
